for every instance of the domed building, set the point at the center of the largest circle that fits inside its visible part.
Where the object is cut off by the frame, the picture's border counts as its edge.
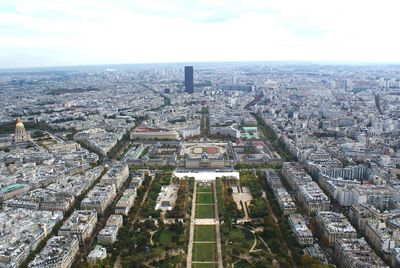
(21, 135)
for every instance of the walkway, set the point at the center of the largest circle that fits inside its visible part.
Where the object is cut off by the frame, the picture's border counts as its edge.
(217, 225)
(242, 195)
(191, 232)
(204, 221)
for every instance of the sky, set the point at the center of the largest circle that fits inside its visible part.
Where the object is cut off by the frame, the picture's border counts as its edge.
(83, 32)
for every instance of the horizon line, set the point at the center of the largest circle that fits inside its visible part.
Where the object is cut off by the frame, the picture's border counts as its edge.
(306, 62)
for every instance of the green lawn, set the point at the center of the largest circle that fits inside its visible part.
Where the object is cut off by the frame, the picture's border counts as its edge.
(241, 239)
(204, 265)
(165, 237)
(204, 189)
(204, 198)
(204, 233)
(204, 252)
(204, 211)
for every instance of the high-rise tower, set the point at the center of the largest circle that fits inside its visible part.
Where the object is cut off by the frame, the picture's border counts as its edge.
(189, 79)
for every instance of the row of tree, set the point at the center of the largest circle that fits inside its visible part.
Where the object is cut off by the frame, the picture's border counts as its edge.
(258, 206)
(185, 191)
(160, 180)
(271, 136)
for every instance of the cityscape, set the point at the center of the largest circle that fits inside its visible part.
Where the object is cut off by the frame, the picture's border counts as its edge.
(211, 165)
(199, 134)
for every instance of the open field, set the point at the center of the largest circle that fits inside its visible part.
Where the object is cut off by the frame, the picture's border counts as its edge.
(204, 189)
(204, 211)
(204, 233)
(204, 198)
(204, 252)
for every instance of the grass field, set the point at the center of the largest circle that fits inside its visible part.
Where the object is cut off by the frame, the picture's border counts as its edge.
(165, 237)
(204, 265)
(204, 252)
(204, 198)
(204, 233)
(204, 189)
(204, 211)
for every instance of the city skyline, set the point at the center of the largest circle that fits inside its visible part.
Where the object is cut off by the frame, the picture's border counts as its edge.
(299, 163)
(59, 33)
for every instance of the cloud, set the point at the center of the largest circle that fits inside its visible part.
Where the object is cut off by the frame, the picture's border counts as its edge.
(126, 31)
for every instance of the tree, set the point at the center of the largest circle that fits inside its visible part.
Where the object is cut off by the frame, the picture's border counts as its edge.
(259, 208)
(229, 190)
(309, 262)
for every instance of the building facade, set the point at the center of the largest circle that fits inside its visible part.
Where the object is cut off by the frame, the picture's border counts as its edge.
(21, 135)
(189, 88)
(334, 226)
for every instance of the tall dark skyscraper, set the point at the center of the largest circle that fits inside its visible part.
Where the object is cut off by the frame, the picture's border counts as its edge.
(189, 79)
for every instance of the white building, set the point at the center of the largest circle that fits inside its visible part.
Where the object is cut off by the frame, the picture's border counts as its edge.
(227, 131)
(98, 253)
(60, 252)
(334, 226)
(81, 223)
(300, 230)
(108, 235)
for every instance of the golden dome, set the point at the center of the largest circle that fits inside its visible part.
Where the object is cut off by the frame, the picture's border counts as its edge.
(19, 122)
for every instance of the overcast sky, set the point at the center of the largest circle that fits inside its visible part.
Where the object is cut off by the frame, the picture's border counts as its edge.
(77, 32)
